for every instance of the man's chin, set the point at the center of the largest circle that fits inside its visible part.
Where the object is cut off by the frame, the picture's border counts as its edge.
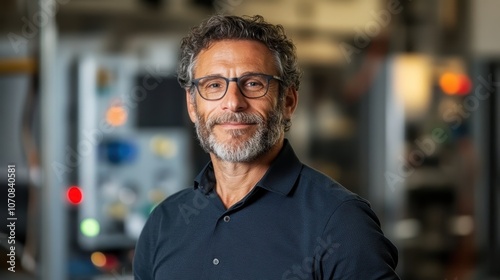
(233, 142)
(230, 136)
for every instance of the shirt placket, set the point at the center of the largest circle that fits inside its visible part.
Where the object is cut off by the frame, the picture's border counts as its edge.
(216, 264)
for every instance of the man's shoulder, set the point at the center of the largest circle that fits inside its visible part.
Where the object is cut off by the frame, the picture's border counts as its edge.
(170, 210)
(325, 188)
(177, 198)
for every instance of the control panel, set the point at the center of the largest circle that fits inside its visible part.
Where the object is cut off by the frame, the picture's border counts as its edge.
(132, 146)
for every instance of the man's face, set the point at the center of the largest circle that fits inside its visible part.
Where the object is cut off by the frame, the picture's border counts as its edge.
(235, 128)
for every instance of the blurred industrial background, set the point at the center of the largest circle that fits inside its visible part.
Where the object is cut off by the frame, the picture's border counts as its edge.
(400, 103)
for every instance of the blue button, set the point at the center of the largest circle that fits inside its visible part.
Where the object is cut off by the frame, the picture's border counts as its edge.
(118, 151)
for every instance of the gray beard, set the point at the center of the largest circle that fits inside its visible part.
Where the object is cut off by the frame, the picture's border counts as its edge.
(267, 135)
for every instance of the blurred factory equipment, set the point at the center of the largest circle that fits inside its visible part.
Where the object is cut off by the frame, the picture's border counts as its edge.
(130, 148)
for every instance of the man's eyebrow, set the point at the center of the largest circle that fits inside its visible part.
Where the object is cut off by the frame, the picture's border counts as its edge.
(242, 74)
(250, 73)
(211, 75)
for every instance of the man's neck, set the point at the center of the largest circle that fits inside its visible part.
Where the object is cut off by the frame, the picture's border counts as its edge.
(234, 180)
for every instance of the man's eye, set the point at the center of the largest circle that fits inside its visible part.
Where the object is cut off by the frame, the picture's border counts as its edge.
(253, 84)
(214, 85)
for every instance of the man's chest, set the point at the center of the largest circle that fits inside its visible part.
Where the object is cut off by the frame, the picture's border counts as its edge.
(237, 245)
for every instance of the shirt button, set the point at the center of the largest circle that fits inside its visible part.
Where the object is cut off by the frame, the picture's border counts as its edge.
(226, 219)
(215, 261)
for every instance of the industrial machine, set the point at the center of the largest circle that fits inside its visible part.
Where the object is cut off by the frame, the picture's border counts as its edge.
(130, 149)
(130, 146)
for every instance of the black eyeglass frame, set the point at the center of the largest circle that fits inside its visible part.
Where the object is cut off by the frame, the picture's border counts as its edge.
(195, 83)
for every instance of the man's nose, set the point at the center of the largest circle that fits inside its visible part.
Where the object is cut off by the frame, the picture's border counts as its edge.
(234, 99)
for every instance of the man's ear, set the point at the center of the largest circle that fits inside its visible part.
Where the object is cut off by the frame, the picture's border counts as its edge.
(191, 107)
(291, 101)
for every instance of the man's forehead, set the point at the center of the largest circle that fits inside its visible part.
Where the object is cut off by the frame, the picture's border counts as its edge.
(233, 44)
(236, 54)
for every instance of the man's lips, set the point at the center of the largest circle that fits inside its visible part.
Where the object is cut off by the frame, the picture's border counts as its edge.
(235, 124)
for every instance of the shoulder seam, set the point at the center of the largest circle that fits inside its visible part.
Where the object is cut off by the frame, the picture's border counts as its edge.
(355, 198)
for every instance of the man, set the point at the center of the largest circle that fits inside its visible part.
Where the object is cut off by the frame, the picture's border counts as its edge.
(255, 211)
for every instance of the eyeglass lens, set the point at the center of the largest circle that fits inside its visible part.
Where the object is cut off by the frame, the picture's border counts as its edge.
(252, 86)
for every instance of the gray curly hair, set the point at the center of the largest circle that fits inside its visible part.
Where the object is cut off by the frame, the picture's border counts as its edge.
(222, 27)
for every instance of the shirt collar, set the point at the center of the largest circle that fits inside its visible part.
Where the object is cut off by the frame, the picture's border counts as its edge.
(279, 178)
(205, 180)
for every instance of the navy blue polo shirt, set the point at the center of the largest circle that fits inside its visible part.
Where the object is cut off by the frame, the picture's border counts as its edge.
(296, 223)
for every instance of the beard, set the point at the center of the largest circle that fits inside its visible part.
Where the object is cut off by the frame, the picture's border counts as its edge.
(237, 149)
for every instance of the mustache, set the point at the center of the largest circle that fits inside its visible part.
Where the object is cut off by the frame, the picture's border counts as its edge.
(239, 117)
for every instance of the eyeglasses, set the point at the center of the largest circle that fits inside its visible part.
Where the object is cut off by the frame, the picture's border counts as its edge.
(251, 85)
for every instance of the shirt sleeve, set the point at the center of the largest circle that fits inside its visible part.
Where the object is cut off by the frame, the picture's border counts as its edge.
(354, 247)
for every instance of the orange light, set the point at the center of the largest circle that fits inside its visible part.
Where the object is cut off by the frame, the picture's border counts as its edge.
(116, 115)
(104, 261)
(74, 195)
(98, 259)
(449, 83)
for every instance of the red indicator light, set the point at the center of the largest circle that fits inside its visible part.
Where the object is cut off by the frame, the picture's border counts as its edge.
(465, 85)
(74, 195)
